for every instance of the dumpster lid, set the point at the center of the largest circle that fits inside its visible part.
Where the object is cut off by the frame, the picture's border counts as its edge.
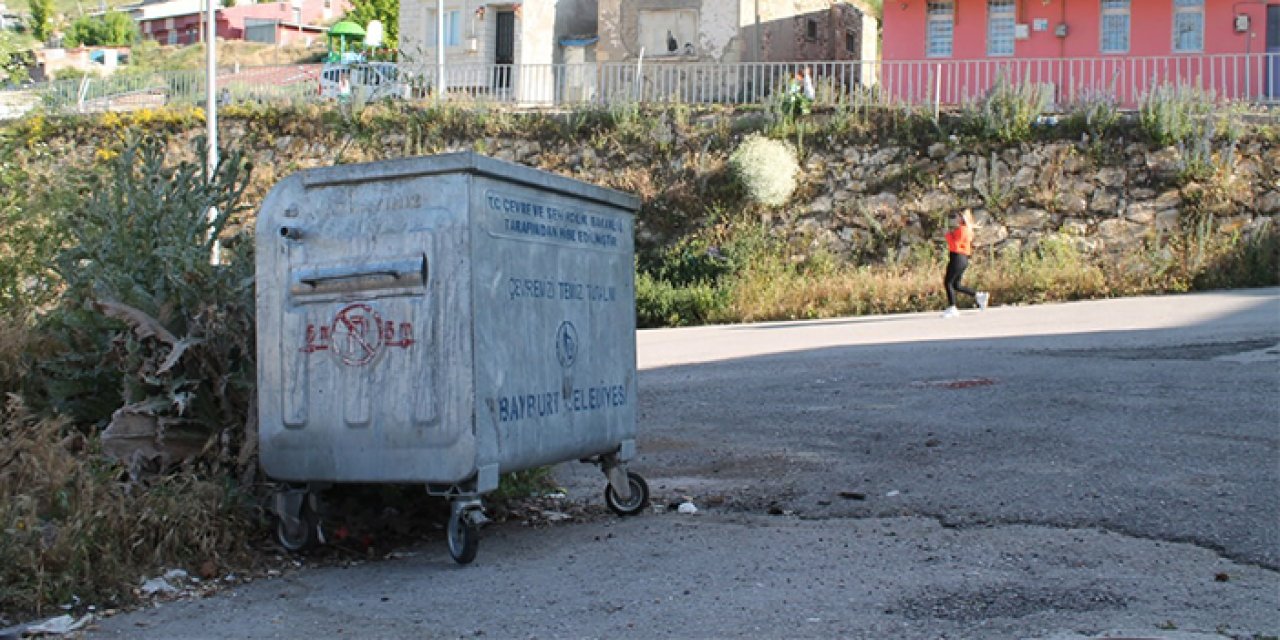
(466, 162)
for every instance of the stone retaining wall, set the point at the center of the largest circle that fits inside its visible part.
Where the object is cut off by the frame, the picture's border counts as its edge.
(866, 200)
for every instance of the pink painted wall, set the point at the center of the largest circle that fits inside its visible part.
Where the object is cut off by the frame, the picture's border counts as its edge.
(1151, 28)
(1074, 64)
(313, 12)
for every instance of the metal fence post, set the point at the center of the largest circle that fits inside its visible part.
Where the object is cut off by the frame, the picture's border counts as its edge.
(937, 94)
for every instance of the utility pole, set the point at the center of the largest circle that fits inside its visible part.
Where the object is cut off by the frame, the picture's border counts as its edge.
(440, 85)
(211, 116)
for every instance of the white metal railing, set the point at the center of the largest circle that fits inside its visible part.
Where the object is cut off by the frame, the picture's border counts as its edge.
(1229, 77)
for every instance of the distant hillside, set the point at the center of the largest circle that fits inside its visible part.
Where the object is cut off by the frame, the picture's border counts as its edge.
(230, 52)
(153, 55)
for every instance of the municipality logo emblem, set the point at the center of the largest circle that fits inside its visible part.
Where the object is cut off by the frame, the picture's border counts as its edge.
(567, 344)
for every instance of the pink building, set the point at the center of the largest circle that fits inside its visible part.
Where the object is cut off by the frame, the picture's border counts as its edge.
(181, 21)
(954, 49)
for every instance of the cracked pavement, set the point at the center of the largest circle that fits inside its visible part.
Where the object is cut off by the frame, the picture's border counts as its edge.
(1092, 469)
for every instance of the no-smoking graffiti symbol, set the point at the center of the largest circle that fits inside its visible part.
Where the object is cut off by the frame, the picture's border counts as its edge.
(567, 344)
(356, 334)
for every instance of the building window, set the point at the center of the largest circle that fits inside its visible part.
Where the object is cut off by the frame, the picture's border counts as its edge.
(851, 42)
(1188, 26)
(1115, 26)
(811, 29)
(942, 15)
(172, 38)
(668, 32)
(452, 28)
(1000, 19)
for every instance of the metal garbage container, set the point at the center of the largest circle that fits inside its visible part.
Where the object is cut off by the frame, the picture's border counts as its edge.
(443, 320)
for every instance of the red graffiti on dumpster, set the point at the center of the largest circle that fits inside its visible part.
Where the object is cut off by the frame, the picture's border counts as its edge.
(357, 335)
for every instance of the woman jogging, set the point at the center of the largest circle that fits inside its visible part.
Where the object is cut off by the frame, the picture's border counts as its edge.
(959, 248)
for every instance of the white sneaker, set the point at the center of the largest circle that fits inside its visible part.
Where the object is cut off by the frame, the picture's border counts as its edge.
(951, 312)
(983, 297)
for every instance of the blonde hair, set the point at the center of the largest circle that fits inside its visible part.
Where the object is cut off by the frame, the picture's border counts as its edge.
(968, 219)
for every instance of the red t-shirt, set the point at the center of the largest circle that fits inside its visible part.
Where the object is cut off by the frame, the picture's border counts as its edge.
(960, 240)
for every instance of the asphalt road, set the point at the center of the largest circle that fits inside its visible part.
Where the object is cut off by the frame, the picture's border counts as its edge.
(1106, 468)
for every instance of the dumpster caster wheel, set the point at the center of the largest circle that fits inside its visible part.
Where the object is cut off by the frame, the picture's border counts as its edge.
(636, 503)
(464, 537)
(301, 536)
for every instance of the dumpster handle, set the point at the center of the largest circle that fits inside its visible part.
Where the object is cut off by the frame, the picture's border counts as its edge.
(382, 273)
(407, 273)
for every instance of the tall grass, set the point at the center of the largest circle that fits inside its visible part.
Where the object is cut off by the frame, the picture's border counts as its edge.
(771, 280)
(15, 338)
(71, 530)
(781, 289)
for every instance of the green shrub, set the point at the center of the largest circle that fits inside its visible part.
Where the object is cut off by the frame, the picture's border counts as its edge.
(1173, 114)
(766, 168)
(29, 238)
(662, 304)
(692, 260)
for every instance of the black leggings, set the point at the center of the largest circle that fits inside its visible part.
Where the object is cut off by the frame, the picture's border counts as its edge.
(955, 270)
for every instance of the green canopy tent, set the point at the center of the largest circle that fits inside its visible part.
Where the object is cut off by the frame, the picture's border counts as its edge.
(344, 37)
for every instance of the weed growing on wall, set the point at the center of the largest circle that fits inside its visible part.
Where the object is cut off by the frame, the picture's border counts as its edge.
(992, 182)
(1249, 258)
(1171, 114)
(1009, 110)
(1094, 114)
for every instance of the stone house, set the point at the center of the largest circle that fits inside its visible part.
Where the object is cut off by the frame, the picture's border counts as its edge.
(530, 36)
(514, 50)
(731, 31)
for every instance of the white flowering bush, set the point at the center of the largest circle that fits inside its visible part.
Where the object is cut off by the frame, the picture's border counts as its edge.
(767, 168)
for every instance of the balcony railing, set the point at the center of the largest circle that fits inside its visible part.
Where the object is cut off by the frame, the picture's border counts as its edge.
(1253, 78)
